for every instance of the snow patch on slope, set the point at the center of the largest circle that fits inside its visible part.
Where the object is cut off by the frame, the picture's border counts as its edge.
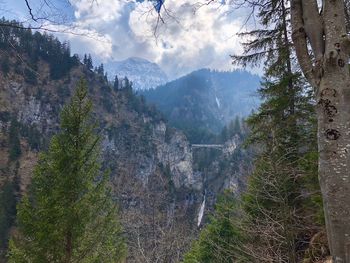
(143, 73)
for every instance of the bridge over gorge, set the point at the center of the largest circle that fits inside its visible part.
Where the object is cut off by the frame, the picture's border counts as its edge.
(213, 146)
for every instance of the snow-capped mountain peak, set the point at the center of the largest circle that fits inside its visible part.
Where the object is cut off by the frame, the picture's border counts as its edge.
(143, 73)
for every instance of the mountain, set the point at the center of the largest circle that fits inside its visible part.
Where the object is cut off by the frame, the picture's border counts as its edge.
(158, 179)
(205, 100)
(143, 73)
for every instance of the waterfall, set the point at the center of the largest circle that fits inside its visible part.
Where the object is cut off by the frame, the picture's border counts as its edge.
(201, 212)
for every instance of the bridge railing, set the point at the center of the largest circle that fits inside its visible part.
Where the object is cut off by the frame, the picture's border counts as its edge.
(218, 146)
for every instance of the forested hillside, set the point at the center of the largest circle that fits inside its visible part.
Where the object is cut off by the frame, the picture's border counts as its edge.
(203, 102)
(92, 172)
(158, 181)
(279, 218)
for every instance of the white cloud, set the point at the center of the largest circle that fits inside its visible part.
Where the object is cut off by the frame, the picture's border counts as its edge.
(188, 40)
(191, 39)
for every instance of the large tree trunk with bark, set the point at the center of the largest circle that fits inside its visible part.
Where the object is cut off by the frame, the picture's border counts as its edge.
(328, 72)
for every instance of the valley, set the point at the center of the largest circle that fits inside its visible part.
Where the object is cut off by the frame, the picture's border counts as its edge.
(164, 185)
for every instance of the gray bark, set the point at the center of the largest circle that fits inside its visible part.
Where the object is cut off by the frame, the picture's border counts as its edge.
(329, 74)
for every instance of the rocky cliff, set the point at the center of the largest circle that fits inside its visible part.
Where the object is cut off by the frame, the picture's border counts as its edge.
(153, 171)
(136, 144)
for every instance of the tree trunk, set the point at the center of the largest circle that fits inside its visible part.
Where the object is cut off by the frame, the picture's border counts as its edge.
(68, 247)
(329, 74)
(333, 113)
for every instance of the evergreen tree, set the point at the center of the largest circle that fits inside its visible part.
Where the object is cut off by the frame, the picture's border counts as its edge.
(69, 215)
(116, 83)
(277, 217)
(7, 214)
(85, 60)
(221, 240)
(5, 65)
(89, 63)
(14, 141)
(126, 83)
(274, 205)
(235, 127)
(100, 70)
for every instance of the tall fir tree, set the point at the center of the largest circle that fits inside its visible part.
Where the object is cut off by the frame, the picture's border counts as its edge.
(278, 217)
(7, 215)
(14, 140)
(280, 210)
(116, 83)
(221, 240)
(69, 215)
(89, 64)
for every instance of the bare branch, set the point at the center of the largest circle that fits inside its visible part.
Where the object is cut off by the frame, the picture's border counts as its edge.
(30, 10)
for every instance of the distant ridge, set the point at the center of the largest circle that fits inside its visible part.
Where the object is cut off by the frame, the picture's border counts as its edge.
(206, 99)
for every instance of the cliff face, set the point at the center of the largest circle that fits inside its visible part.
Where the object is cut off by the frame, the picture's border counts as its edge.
(205, 99)
(151, 164)
(155, 174)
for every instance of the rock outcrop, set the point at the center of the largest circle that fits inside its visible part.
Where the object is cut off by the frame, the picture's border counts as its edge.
(153, 171)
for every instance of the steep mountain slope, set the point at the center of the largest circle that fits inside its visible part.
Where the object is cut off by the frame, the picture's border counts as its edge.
(154, 179)
(141, 158)
(143, 73)
(205, 99)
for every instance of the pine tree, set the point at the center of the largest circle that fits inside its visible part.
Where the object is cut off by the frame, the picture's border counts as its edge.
(69, 215)
(221, 240)
(100, 70)
(116, 83)
(14, 141)
(89, 63)
(85, 60)
(5, 65)
(274, 206)
(7, 214)
(235, 127)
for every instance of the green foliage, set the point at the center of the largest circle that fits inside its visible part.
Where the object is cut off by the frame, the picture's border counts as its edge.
(168, 175)
(36, 46)
(33, 136)
(30, 76)
(116, 83)
(270, 204)
(195, 132)
(309, 165)
(107, 99)
(63, 91)
(5, 65)
(69, 215)
(221, 239)
(138, 103)
(279, 204)
(236, 127)
(7, 213)
(100, 70)
(87, 61)
(190, 102)
(5, 116)
(281, 209)
(14, 141)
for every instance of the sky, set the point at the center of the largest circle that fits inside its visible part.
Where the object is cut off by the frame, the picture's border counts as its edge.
(191, 37)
